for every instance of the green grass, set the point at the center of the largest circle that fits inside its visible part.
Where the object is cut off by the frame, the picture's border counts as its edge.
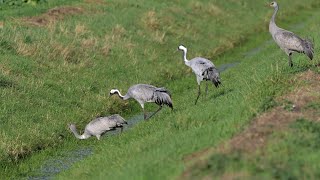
(62, 73)
(290, 154)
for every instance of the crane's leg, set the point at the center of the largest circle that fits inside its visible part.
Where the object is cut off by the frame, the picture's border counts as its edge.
(290, 60)
(155, 112)
(98, 136)
(206, 88)
(144, 115)
(121, 129)
(144, 112)
(198, 95)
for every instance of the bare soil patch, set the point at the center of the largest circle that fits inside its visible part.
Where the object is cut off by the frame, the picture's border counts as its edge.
(53, 15)
(291, 107)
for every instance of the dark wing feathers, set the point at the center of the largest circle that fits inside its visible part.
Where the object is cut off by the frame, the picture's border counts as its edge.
(118, 119)
(162, 89)
(212, 74)
(162, 96)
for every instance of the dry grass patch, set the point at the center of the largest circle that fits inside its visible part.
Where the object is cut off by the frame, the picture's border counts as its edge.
(117, 33)
(88, 43)
(53, 15)
(214, 10)
(80, 30)
(207, 8)
(151, 21)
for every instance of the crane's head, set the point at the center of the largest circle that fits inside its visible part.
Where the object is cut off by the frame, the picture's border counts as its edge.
(72, 127)
(182, 48)
(273, 4)
(113, 91)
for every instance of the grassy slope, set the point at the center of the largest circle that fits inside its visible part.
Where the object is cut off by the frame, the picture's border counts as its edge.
(290, 154)
(68, 80)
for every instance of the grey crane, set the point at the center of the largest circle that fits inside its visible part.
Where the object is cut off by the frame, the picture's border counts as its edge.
(146, 93)
(288, 41)
(99, 126)
(203, 68)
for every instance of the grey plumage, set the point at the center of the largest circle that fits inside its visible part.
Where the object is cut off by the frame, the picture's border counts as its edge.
(288, 41)
(203, 68)
(146, 93)
(99, 126)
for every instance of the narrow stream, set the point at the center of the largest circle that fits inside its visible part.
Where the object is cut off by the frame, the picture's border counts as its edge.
(55, 165)
(52, 167)
(224, 67)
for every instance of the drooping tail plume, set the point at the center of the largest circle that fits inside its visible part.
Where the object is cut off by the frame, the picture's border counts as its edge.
(163, 96)
(308, 48)
(212, 74)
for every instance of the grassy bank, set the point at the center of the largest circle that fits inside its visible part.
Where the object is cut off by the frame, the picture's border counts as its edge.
(62, 71)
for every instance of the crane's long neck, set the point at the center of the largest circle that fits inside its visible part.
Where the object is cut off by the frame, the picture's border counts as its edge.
(184, 56)
(272, 24)
(77, 135)
(119, 94)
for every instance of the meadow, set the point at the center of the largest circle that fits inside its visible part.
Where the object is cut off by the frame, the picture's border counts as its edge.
(58, 66)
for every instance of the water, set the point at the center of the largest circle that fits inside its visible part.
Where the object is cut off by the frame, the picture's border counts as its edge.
(224, 67)
(54, 166)
(131, 122)
(258, 49)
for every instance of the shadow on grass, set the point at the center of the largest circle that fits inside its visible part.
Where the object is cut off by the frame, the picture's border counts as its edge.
(222, 93)
(5, 83)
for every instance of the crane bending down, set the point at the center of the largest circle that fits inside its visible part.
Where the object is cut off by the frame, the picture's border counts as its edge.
(288, 41)
(203, 68)
(146, 93)
(99, 126)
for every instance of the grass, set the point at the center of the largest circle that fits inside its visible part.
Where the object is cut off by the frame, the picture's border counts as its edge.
(290, 154)
(62, 73)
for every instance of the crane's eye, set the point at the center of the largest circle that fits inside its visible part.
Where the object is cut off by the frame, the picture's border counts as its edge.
(272, 3)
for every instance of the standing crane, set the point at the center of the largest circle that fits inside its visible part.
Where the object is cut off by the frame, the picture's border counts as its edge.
(146, 93)
(99, 126)
(288, 41)
(203, 68)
